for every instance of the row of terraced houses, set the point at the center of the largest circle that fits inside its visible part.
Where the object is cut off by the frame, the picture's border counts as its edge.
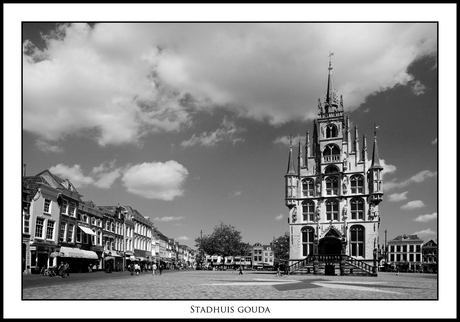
(59, 225)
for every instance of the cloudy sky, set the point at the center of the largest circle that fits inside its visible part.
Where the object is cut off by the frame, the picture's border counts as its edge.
(189, 122)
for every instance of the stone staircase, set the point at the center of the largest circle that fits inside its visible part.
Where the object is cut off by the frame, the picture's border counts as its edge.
(331, 265)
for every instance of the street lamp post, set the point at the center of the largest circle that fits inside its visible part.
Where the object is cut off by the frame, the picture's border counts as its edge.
(124, 233)
(375, 260)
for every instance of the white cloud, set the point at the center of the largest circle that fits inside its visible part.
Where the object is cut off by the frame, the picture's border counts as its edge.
(168, 218)
(156, 180)
(226, 133)
(426, 232)
(117, 82)
(427, 217)
(395, 197)
(235, 193)
(418, 88)
(183, 238)
(48, 147)
(435, 141)
(106, 174)
(417, 178)
(413, 205)
(285, 140)
(106, 180)
(74, 174)
(279, 217)
(99, 81)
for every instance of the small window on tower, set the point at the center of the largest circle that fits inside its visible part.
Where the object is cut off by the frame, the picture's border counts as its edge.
(331, 131)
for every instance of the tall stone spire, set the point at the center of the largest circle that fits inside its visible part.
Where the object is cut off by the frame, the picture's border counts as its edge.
(364, 156)
(375, 151)
(356, 145)
(331, 99)
(291, 168)
(300, 159)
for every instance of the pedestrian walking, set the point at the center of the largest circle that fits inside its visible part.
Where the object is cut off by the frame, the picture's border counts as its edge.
(160, 268)
(131, 268)
(67, 269)
(61, 270)
(241, 270)
(154, 269)
(286, 270)
(137, 269)
(278, 272)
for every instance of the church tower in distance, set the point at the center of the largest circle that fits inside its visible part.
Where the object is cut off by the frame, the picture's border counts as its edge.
(334, 192)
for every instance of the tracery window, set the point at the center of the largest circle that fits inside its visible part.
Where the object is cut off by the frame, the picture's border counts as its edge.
(332, 186)
(332, 210)
(308, 187)
(308, 236)
(357, 208)
(331, 131)
(331, 153)
(357, 184)
(308, 211)
(357, 240)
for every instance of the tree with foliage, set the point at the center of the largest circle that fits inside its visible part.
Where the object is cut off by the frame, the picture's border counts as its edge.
(281, 247)
(224, 241)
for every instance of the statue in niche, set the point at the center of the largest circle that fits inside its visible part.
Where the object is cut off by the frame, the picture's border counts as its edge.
(294, 214)
(345, 183)
(318, 212)
(371, 210)
(345, 212)
(318, 188)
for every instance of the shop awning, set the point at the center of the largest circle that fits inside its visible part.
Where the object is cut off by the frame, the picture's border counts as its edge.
(87, 230)
(89, 254)
(77, 253)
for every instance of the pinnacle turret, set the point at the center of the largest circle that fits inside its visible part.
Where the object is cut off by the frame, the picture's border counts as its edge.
(291, 168)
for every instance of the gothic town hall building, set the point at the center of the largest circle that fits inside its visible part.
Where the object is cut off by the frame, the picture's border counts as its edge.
(334, 191)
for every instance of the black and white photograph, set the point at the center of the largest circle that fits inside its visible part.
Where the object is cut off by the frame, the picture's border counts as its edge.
(230, 161)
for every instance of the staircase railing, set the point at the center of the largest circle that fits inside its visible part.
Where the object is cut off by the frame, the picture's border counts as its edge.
(330, 259)
(359, 264)
(301, 263)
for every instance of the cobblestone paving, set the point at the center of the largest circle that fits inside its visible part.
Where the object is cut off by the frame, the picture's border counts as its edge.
(228, 285)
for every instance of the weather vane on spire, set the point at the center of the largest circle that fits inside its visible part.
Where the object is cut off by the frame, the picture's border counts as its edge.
(330, 62)
(375, 130)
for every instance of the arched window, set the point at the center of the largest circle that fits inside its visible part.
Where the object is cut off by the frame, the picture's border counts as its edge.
(357, 184)
(308, 237)
(332, 186)
(357, 240)
(308, 187)
(331, 170)
(357, 208)
(308, 211)
(331, 131)
(331, 153)
(332, 210)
